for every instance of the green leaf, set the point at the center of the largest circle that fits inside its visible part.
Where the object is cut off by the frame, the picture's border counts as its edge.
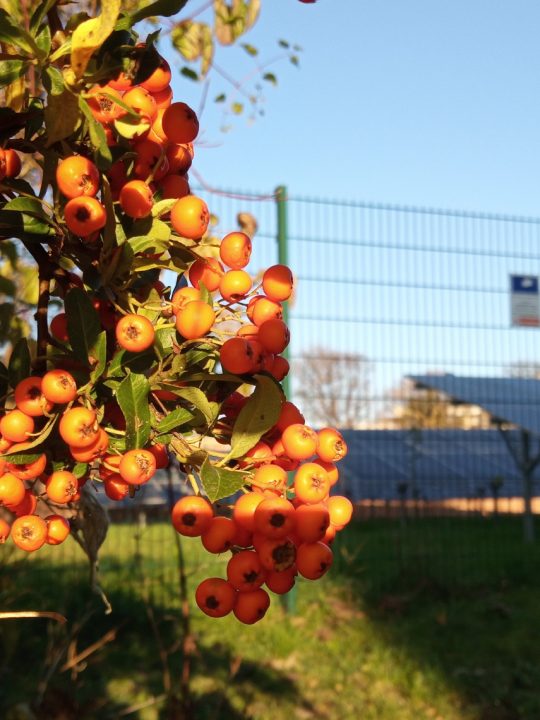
(123, 360)
(189, 73)
(83, 324)
(62, 115)
(40, 12)
(132, 396)
(4, 382)
(259, 414)
(80, 470)
(220, 98)
(53, 81)
(43, 40)
(11, 70)
(97, 137)
(24, 218)
(283, 44)
(22, 458)
(19, 363)
(198, 399)
(13, 33)
(270, 77)
(98, 356)
(174, 420)
(7, 286)
(220, 482)
(294, 60)
(250, 49)
(163, 8)
(163, 341)
(91, 34)
(162, 207)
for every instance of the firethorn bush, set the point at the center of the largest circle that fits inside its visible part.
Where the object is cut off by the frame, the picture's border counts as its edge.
(123, 373)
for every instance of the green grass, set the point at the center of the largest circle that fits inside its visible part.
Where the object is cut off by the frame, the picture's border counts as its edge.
(437, 619)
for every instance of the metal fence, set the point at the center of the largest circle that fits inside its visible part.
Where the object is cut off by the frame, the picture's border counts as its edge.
(385, 292)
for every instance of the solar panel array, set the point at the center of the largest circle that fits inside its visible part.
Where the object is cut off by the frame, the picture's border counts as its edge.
(514, 400)
(430, 464)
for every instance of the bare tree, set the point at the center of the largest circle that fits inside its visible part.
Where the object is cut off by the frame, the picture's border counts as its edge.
(412, 407)
(333, 387)
(524, 369)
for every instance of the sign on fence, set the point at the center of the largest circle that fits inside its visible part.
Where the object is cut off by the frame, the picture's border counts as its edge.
(524, 301)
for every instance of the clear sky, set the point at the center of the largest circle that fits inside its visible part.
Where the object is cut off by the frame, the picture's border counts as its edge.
(409, 101)
(419, 102)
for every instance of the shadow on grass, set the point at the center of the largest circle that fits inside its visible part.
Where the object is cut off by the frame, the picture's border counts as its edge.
(123, 677)
(454, 596)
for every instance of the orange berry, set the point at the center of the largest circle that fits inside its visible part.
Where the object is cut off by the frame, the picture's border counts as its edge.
(244, 571)
(180, 123)
(13, 163)
(331, 446)
(78, 427)
(311, 483)
(277, 282)
(235, 250)
(207, 271)
(77, 176)
(244, 510)
(59, 387)
(219, 535)
(16, 426)
(12, 490)
(57, 529)
(250, 607)
(62, 487)
(312, 522)
(29, 397)
(190, 216)
(299, 441)
(137, 466)
(276, 555)
(270, 476)
(29, 532)
(274, 518)
(313, 560)
(274, 335)
(215, 597)
(136, 199)
(191, 515)
(84, 215)
(281, 582)
(135, 332)
(340, 509)
(235, 285)
(5, 529)
(195, 320)
(236, 356)
(260, 308)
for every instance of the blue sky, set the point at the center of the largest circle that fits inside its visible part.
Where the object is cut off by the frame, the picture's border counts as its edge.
(416, 102)
(422, 102)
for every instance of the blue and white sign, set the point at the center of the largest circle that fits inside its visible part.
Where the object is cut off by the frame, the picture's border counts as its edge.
(524, 301)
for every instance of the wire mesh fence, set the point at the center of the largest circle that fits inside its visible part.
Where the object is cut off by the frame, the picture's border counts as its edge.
(386, 293)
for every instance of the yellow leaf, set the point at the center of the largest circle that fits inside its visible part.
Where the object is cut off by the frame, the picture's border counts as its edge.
(15, 94)
(91, 34)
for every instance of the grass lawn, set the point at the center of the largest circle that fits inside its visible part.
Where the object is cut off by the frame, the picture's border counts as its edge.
(436, 619)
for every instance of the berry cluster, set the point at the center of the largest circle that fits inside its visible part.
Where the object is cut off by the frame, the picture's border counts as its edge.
(129, 372)
(275, 532)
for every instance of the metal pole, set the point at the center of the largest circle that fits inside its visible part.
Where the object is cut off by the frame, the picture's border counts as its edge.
(288, 600)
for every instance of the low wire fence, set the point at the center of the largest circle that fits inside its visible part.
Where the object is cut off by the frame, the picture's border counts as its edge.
(384, 292)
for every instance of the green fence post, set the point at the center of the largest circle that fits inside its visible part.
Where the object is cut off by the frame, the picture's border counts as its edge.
(288, 600)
